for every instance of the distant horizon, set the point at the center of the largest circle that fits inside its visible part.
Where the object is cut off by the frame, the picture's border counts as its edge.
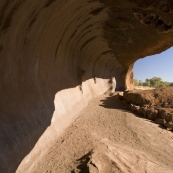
(159, 65)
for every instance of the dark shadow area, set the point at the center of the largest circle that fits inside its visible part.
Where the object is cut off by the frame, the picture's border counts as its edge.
(82, 163)
(24, 118)
(113, 102)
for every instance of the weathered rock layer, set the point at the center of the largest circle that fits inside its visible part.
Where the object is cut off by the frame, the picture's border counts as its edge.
(56, 55)
(156, 104)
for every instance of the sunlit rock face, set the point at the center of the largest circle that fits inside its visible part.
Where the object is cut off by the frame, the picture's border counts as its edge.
(56, 55)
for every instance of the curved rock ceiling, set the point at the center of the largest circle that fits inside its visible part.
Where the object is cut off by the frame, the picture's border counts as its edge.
(55, 55)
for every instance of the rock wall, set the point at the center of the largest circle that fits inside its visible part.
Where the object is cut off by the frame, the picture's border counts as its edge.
(56, 55)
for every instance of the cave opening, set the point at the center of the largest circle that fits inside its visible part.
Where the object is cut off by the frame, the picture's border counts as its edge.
(55, 56)
(157, 68)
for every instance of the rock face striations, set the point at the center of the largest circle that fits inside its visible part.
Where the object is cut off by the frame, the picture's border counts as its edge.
(56, 55)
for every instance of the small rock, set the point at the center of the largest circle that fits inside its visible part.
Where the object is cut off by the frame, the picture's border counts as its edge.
(160, 121)
(170, 116)
(152, 114)
(120, 95)
(149, 113)
(134, 108)
(164, 115)
(129, 106)
(140, 111)
(124, 102)
(169, 126)
(144, 112)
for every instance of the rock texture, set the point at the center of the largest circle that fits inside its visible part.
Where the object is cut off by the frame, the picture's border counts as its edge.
(156, 97)
(156, 104)
(56, 55)
(105, 139)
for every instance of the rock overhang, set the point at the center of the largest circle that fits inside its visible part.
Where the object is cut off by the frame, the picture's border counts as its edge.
(73, 49)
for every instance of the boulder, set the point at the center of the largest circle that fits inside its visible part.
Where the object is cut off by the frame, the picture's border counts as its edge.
(169, 125)
(152, 114)
(164, 115)
(160, 121)
(135, 108)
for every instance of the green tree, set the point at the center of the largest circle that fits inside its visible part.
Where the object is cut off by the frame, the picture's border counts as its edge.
(162, 84)
(135, 81)
(166, 83)
(146, 84)
(155, 81)
(140, 83)
(147, 81)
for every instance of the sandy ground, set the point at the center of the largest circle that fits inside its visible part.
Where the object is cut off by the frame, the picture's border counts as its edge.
(144, 87)
(105, 138)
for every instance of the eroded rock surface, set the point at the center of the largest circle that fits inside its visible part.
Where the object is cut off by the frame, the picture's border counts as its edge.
(156, 104)
(162, 97)
(107, 139)
(56, 55)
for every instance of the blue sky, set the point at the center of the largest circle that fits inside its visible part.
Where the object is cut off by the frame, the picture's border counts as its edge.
(159, 65)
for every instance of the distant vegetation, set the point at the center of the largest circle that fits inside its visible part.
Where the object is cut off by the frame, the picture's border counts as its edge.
(155, 82)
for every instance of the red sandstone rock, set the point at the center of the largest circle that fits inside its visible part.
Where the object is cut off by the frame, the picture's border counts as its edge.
(165, 115)
(152, 97)
(56, 55)
(160, 121)
(169, 125)
(152, 114)
(135, 108)
(154, 104)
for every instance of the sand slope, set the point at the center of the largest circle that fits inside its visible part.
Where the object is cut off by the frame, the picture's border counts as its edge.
(107, 139)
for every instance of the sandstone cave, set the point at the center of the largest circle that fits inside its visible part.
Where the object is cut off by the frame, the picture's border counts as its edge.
(56, 55)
